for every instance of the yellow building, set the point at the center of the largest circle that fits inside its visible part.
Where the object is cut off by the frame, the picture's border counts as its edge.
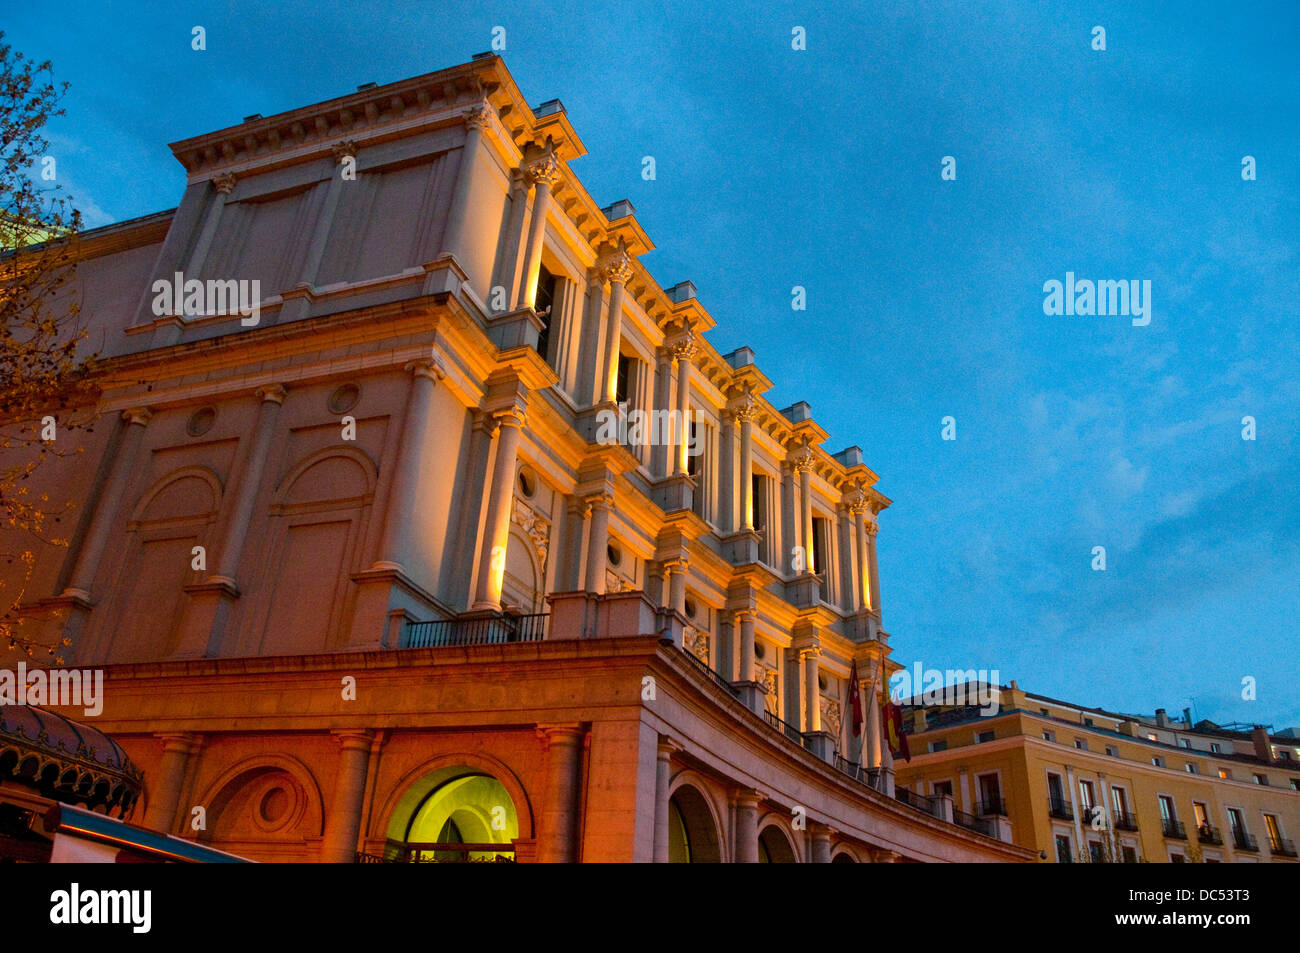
(1086, 784)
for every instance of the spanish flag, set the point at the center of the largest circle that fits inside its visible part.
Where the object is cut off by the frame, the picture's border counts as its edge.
(894, 731)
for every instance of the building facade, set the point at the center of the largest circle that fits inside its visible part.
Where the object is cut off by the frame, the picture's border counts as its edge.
(1088, 785)
(366, 565)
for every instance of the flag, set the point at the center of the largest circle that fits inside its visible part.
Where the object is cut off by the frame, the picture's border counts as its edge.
(855, 700)
(894, 731)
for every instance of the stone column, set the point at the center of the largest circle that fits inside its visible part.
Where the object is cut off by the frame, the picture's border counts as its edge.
(812, 691)
(783, 556)
(820, 835)
(727, 473)
(803, 464)
(745, 414)
(343, 819)
(579, 512)
(660, 466)
(682, 353)
(492, 560)
(542, 173)
(320, 236)
(476, 119)
(1072, 786)
(83, 574)
(873, 574)
(663, 773)
(676, 569)
(598, 541)
(862, 591)
(177, 748)
(224, 183)
(745, 617)
(250, 481)
(617, 271)
(403, 492)
(745, 849)
(874, 730)
(557, 842)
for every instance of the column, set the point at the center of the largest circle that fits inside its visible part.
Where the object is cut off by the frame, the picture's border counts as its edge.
(617, 271)
(1072, 787)
(598, 541)
(745, 617)
(803, 465)
(659, 464)
(820, 835)
(862, 591)
(727, 474)
(873, 575)
(849, 590)
(677, 584)
(224, 183)
(492, 560)
(663, 773)
(788, 540)
(83, 575)
(683, 352)
(745, 414)
(403, 492)
(542, 173)
(579, 512)
(250, 481)
(874, 729)
(177, 748)
(812, 691)
(745, 849)
(476, 119)
(509, 279)
(343, 819)
(557, 840)
(320, 236)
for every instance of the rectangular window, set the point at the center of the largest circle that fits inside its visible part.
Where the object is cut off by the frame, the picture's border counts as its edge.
(943, 787)
(1295, 783)
(1274, 831)
(1214, 747)
(1063, 855)
(1225, 774)
(1158, 761)
(1087, 796)
(760, 488)
(990, 795)
(1151, 736)
(1113, 752)
(1261, 779)
(1049, 736)
(1054, 789)
(1177, 859)
(984, 737)
(821, 554)
(1088, 722)
(544, 305)
(939, 745)
(1185, 742)
(1095, 853)
(1081, 744)
(1191, 768)
(1130, 854)
(1202, 814)
(1119, 797)
(1235, 821)
(1167, 811)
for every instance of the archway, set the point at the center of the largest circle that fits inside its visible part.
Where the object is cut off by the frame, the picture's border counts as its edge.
(465, 816)
(774, 847)
(844, 857)
(692, 831)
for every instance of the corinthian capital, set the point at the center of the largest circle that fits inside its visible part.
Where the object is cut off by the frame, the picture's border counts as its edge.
(346, 149)
(802, 459)
(685, 349)
(224, 183)
(478, 117)
(745, 407)
(544, 170)
(617, 268)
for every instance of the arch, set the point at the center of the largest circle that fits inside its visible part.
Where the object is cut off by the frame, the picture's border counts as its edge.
(345, 474)
(695, 833)
(842, 855)
(244, 785)
(522, 581)
(185, 494)
(417, 784)
(775, 845)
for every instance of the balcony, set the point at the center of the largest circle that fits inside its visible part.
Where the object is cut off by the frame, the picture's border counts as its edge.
(1209, 834)
(1281, 847)
(1125, 821)
(1059, 808)
(995, 806)
(980, 825)
(1243, 841)
(487, 629)
(401, 852)
(787, 729)
(1174, 829)
(912, 799)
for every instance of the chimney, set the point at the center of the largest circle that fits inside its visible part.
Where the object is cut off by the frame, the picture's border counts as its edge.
(1263, 748)
(1162, 718)
(1187, 717)
(919, 725)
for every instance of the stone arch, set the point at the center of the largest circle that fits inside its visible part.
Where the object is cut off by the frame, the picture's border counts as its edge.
(694, 822)
(522, 584)
(189, 493)
(345, 474)
(775, 842)
(843, 855)
(262, 799)
(391, 821)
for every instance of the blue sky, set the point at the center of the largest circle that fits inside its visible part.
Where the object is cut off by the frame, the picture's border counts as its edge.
(821, 168)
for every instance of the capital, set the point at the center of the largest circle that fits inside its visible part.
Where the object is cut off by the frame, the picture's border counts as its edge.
(871, 526)
(477, 117)
(544, 170)
(600, 501)
(745, 408)
(224, 182)
(510, 417)
(802, 459)
(426, 367)
(347, 149)
(617, 268)
(137, 415)
(272, 393)
(685, 349)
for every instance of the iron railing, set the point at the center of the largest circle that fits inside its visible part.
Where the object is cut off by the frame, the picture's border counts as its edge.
(476, 630)
(1172, 828)
(1059, 807)
(912, 799)
(399, 852)
(1243, 841)
(1125, 821)
(992, 807)
(787, 729)
(980, 825)
(1281, 846)
(711, 674)
(1209, 834)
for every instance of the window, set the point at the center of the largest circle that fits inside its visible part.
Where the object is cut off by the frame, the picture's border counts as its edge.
(1045, 713)
(1261, 779)
(1235, 822)
(1225, 774)
(1295, 783)
(1081, 744)
(821, 554)
(984, 737)
(1185, 742)
(1202, 814)
(990, 795)
(1087, 798)
(1063, 855)
(1129, 853)
(1168, 814)
(1274, 831)
(1177, 859)
(1119, 797)
(941, 745)
(624, 377)
(761, 496)
(1112, 751)
(1158, 761)
(1049, 736)
(547, 286)
(1088, 722)
(1054, 790)
(1192, 768)
(1214, 747)
(1095, 854)
(942, 788)
(1151, 736)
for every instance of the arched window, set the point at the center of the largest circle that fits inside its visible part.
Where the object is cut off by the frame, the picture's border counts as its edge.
(462, 820)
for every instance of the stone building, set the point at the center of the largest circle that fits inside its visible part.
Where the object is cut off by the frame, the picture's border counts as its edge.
(363, 566)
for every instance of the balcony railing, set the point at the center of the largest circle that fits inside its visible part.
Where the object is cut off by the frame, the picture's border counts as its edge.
(1059, 807)
(1172, 828)
(1209, 834)
(787, 729)
(396, 852)
(1125, 821)
(475, 630)
(1243, 841)
(992, 807)
(1281, 846)
(912, 799)
(711, 674)
(980, 825)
